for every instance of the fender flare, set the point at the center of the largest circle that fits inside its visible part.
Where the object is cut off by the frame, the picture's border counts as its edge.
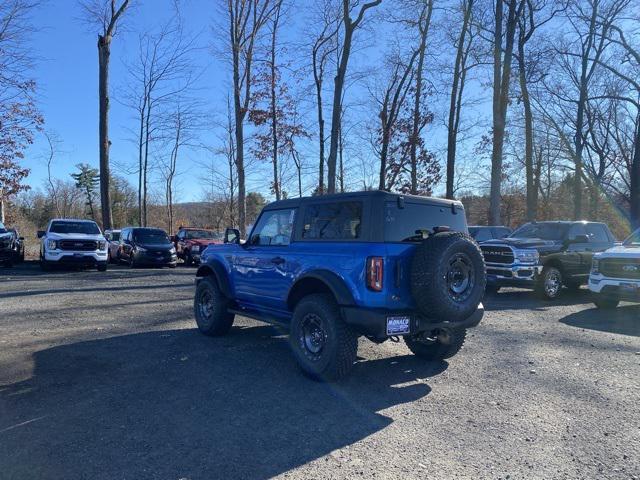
(215, 269)
(334, 283)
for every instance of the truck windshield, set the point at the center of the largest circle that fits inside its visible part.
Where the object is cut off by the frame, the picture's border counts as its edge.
(202, 234)
(633, 240)
(157, 237)
(543, 231)
(86, 228)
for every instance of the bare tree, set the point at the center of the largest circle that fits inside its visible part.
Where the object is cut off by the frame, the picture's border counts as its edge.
(246, 19)
(464, 44)
(350, 26)
(104, 14)
(503, 44)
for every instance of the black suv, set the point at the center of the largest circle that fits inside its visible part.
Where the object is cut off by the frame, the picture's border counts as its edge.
(545, 256)
(11, 246)
(146, 246)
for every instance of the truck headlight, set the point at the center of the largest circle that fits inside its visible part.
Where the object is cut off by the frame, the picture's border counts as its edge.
(595, 266)
(140, 249)
(527, 255)
(52, 244)
(102, 245)
(195, 248)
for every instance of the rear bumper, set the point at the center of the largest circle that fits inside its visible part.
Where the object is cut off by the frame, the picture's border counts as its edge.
(373, 322)
(514, 275)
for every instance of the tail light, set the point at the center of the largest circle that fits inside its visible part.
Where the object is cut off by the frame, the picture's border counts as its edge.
(375, 270)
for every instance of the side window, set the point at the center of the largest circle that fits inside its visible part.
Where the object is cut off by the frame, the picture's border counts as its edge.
(483, 235)
(333, 221)
(597, 233)
(180, 235)
(575, 230)
(274, 228)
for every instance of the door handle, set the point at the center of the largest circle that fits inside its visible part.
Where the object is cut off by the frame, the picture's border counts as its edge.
(277, 260)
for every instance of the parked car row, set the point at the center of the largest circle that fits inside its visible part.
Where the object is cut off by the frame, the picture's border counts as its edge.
(81, 243)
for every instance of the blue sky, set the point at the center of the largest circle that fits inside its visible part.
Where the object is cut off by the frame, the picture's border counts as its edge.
(67, 76)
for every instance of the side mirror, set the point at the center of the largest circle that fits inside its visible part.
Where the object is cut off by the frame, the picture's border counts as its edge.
(41, 233)
(580, 239)
(232, 235)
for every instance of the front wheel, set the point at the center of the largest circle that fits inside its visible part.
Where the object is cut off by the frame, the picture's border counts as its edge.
(605, 303)
(102, 267)
(322, 343)
(549, 285)
(211, 309)
(443, 345)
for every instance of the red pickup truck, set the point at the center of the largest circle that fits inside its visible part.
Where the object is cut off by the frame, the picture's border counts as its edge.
(191, 242)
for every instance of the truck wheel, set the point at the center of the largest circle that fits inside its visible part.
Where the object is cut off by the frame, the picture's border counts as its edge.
(323, 344)
(211, 309)
(102, 267)
(605, 303)
(445, 345)
(44, 265)
(549, 285)
(448, 276)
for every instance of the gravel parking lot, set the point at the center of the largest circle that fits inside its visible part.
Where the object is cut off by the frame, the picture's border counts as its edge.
(103, 376)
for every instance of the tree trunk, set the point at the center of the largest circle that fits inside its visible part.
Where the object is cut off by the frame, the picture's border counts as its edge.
(274, 113)
(532, 192)
(1, 209)
(455, 100)
(104, 52)
(634, 188)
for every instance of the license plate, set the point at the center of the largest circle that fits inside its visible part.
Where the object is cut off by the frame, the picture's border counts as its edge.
(78, 255)
(629, 287)
(398, 325)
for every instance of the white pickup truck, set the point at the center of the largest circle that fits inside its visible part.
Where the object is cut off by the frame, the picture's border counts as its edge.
(73, 242)
(615, 274)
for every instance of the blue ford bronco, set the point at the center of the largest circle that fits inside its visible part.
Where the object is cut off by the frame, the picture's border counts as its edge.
(335, 267)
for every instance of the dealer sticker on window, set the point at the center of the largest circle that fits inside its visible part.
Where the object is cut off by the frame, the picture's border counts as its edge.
(398, 325)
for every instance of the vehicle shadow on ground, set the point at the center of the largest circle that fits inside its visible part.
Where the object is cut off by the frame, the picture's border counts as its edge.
(32, 269)
(624, 320)
(176, 404)
(527, 300)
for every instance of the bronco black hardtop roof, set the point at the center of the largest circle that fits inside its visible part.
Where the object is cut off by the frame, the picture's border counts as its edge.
(368, 195)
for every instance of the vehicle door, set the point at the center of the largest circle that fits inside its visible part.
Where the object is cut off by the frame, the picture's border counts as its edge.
(599, 241)
(575, 249)
(180, 242)
(261, 272)
(126, 244)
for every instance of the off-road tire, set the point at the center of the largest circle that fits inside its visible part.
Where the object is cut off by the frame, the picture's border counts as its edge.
(210, 307)
(543, 289)
(605, 303)
(339, 344)
(435, 349)
(431, 270)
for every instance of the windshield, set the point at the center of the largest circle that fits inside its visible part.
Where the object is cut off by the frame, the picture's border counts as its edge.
(156, 237)
(633, 240)
(2, 229)
(202, 234)
(87, 228)
(543, 231)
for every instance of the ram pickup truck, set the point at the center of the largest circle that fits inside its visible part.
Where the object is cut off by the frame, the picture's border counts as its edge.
(545, 256)
(73, 242)
(11, 246)
(615, 274)
(335, 267)
(191, 242)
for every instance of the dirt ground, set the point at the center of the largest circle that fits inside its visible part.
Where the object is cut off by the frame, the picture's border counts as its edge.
(104, 376)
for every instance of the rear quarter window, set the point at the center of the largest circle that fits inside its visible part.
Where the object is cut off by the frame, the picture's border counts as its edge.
(332, 221)
(401, 224)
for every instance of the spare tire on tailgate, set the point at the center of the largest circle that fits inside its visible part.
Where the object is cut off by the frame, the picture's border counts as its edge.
(448, 276)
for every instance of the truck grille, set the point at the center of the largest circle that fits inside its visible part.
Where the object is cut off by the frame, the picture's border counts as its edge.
(497, 254)
(621, 268)
(78, 245)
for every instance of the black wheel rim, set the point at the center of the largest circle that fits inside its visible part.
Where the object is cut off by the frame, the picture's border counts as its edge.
(206, 306)
(460, 277)
(313, 337)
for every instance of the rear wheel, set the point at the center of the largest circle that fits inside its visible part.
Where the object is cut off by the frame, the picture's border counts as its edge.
(549, 285)
(445, 344)
(323, 344)
(605, 303)
(211, 309)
